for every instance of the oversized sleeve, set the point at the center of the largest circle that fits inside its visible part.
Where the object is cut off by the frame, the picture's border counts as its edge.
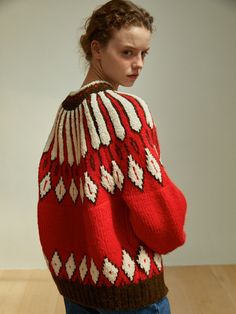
(157, 207)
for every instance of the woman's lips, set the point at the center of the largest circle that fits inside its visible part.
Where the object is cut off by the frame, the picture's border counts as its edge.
(133, 76)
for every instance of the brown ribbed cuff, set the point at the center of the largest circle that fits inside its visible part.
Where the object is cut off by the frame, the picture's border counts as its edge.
(128, 297)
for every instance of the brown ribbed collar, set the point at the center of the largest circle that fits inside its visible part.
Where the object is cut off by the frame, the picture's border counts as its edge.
(76, 97)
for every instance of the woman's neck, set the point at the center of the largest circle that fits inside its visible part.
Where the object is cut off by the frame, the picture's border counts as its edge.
(95, 74)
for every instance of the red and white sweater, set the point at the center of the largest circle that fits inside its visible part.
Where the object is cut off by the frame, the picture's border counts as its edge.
(107, 209)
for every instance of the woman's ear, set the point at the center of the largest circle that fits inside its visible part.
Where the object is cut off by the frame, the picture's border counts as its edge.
(96, 49)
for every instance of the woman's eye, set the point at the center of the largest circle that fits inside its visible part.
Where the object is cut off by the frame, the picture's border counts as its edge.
(127, 52)
(144, 53)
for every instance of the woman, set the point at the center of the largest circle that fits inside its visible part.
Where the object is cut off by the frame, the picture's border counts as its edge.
(107, 209)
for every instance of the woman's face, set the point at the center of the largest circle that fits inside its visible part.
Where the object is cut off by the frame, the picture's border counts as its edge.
(124, 55)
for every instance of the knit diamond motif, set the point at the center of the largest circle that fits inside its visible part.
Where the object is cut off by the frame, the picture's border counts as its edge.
(90, 188)
(158, 261)
(144, 260)
(117, 175)
(94, 272)
(128, 265)
(110, 271)
(83, 268)
(81, 190)
(60, 189)
(70, 266)
(135, 173)
(45, 185)
(153, 166)
(73, 191)
(56, 263)
(107, 180)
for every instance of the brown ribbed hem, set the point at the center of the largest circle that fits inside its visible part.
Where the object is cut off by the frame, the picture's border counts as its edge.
(114, 298)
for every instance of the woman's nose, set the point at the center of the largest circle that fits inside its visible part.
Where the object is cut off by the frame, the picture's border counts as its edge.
(138, 62)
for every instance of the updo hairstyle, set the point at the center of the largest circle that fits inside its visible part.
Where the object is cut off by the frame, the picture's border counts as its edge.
(109, 17)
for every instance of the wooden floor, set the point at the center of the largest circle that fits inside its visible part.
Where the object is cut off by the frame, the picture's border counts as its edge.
(193, 290)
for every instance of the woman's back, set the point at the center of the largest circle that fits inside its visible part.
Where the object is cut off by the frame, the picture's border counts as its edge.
(104, 196)
(107, 209)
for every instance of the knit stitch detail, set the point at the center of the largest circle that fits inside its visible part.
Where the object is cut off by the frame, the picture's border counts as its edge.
(83, 268)
(45, 185)
(129, 297)
(70, 266)
(56, 263)
(108, 180)
(94, 272)
(143, 262)
(128, 265)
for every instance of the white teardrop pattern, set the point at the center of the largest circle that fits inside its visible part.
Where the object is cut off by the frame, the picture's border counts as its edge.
(134, 120)
(144, 106)
(68, 131)
(74, 137)
(69, 134)
(78, 147)
(102, 128)
(55, 144)
(115, 119)
(68, 140)
(95, 141)
(60, 137)
(52, 133)
(83, 146)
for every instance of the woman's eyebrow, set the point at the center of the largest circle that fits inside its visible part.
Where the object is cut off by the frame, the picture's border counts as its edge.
(132, 47)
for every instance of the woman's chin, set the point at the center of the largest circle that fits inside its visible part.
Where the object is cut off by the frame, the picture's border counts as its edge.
(128, 83)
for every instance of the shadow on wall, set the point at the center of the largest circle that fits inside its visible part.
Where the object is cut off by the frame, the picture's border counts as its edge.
(230, 3)
(4, 2)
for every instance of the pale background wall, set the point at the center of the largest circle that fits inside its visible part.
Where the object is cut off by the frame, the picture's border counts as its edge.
(188, 82)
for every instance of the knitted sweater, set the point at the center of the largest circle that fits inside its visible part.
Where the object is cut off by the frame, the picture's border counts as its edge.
(107, 209)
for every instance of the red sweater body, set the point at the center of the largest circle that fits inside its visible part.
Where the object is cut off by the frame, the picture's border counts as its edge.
(107, 209)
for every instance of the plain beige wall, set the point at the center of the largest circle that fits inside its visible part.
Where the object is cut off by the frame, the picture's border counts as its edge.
(188, 82)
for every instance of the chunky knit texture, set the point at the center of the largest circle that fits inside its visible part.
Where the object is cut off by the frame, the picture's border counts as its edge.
(107, 209)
